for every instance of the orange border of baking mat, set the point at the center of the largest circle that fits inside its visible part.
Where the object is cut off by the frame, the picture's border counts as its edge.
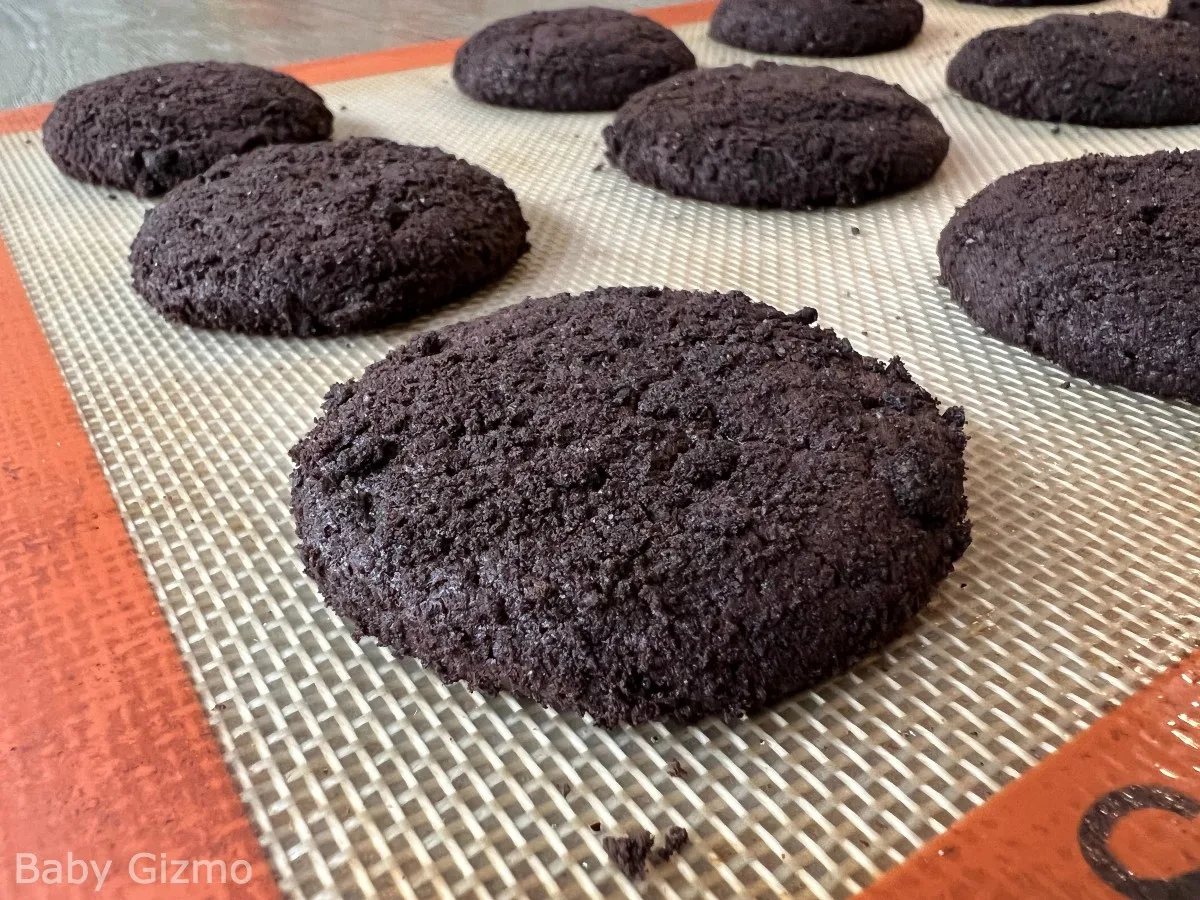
(1113, 812)
(106, 751)
(97, 711)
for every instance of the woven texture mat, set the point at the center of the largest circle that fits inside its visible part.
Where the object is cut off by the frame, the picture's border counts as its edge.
(364, 775)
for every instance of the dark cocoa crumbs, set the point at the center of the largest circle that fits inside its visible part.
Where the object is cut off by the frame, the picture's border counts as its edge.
(675, 840)
(629, 852)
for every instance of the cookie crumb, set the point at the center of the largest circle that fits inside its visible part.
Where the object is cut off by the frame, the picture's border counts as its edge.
(676, 769)
(628, 852)
(855, 230)
(564, 788)
(1055, 129)
(1065, 384)
(598, 167)
(675, 840)
(595, 826)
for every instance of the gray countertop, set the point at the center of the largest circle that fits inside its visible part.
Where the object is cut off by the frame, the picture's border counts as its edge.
(47, 46)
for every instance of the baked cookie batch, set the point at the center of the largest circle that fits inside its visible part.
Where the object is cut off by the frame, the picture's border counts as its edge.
(640, 503)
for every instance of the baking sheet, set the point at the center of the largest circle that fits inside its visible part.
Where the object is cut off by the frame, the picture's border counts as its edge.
(364, 775)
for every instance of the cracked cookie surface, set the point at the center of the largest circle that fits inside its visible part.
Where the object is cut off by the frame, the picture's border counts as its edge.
(773, 136)
(589, 58)
(150, 129)
(325, 238)
(636, 503)
(1115, 70)
(1091, 263)
(817, 27)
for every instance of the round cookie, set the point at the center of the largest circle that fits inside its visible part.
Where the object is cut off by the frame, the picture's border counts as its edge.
(582, 59)
(1112, 69)
(789, 137)
(323, 238)
(817, 27)
(1184, 11)
(1090, 262)
(152, 128)
(635, 503)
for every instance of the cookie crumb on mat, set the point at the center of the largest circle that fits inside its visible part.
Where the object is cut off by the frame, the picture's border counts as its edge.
(628, 852)
(675, 840)
(676, 769)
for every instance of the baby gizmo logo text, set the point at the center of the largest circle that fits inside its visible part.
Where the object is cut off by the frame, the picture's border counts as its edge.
(142, 868)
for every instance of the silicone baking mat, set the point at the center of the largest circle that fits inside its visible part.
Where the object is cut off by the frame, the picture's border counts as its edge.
(363, 775)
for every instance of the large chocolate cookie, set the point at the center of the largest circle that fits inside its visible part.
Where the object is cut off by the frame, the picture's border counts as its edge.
(1184, 11)
(1090, 262)
(817, 27)
(150, 129)
(1112, 69)
(570, 59)
(635, 503)
(791, 137)
(328, 237)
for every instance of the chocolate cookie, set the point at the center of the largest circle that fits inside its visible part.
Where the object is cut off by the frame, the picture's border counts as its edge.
(1184, 11)
(1090, 262)
(817, 27)
(636, 503)
(568, 60)
(149, 129)
(1113, 69)
(790, 137)
(330, 237)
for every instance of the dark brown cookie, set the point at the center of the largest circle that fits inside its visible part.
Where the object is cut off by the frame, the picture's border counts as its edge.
(817, 27)
(570, 59)
(1090, 262)
(1184, 11)
(150, 129)
(790, 137)
(1113, 69)
(330, 237)
(636, 503)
